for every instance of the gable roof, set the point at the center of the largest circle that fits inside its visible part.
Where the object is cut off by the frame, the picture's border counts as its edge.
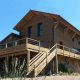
(55, 17)
(10, 35)
(29, 15)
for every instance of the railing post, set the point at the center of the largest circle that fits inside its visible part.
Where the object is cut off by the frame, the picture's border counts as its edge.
(63, 50)
(39, 46)
(56, 61)
(46, 58)
(28, 59)
(69, 52)
(26, 42)
(74, 55)
(6, 46)
(15, 43)
(34, 71)
(6, 65)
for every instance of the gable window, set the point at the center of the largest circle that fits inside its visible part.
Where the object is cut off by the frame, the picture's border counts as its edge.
(39, 29)
(30, 31)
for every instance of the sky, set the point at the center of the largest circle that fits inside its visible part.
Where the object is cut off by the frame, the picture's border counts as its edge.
(12, 11)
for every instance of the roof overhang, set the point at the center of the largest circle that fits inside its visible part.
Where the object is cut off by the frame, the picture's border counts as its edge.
(24, 21)
(69, 26)
(28, 17)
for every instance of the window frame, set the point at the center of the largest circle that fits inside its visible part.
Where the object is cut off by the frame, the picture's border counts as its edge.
(40, 29)
(29, 32)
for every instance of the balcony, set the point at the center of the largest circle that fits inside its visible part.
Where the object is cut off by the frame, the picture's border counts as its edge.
(19, 45)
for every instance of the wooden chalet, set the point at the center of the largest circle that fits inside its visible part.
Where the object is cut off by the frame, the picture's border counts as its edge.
(46, 44)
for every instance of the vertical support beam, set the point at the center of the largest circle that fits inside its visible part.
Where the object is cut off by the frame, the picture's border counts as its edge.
(63, 50)
(26, 43)
(34, 71)
(46, 62)
(56, 61)
(53, 66)
(6, 46)
(28, 59)
(46, 58)
(15, 43)
(39, 46)
(6, 66)
(69, 52)
(74, 56)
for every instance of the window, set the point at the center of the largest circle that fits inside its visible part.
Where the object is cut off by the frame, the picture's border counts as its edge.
(39, 29)
(72, 39)
(30, 31)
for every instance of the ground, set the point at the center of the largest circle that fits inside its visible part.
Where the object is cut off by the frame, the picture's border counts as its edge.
(49, 78)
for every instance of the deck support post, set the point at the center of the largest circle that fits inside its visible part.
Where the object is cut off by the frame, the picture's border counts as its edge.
(28, 59)
(53, 67)
(39, 46)
(34, 71)
(63, 50)
(7, 65)
(6, 45)
(56, 61)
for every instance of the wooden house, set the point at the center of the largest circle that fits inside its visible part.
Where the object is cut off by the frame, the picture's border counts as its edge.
(46, 44)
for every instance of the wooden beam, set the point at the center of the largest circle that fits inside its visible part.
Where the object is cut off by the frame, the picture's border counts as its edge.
(56, 61)
(28, 59)
(6, 45)
(7, 64)
(34, 71)
(66, 30)
(47, 16)
(56, 24)
(74, 35)
(71, 27)
(53, 68)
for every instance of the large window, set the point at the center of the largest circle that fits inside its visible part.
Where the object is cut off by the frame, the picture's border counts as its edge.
(39, 29)
(30, 31)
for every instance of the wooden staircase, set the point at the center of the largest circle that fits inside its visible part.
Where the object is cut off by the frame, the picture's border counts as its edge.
(39, 62)
(42, 59)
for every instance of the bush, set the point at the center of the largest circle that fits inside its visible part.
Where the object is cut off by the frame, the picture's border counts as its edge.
(62, 68)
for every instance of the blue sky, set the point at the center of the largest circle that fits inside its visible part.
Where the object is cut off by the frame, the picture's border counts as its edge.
(11, 12)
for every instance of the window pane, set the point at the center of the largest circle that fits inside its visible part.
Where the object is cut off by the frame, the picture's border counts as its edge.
(39, 29)
(30, 31)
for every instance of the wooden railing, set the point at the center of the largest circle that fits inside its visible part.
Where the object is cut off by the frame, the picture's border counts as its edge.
(13, 45)
(64, 50)
(43, 58)
(19, 42)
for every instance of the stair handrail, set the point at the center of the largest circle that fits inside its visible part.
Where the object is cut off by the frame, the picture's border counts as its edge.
(49, 52)
(34, 59)
(55, 46)
(52, 47)
(32, 66)
(42, 51)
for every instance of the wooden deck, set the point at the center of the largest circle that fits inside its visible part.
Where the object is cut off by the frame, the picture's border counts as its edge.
(43, 56)
(20, 48)
(68, 54)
